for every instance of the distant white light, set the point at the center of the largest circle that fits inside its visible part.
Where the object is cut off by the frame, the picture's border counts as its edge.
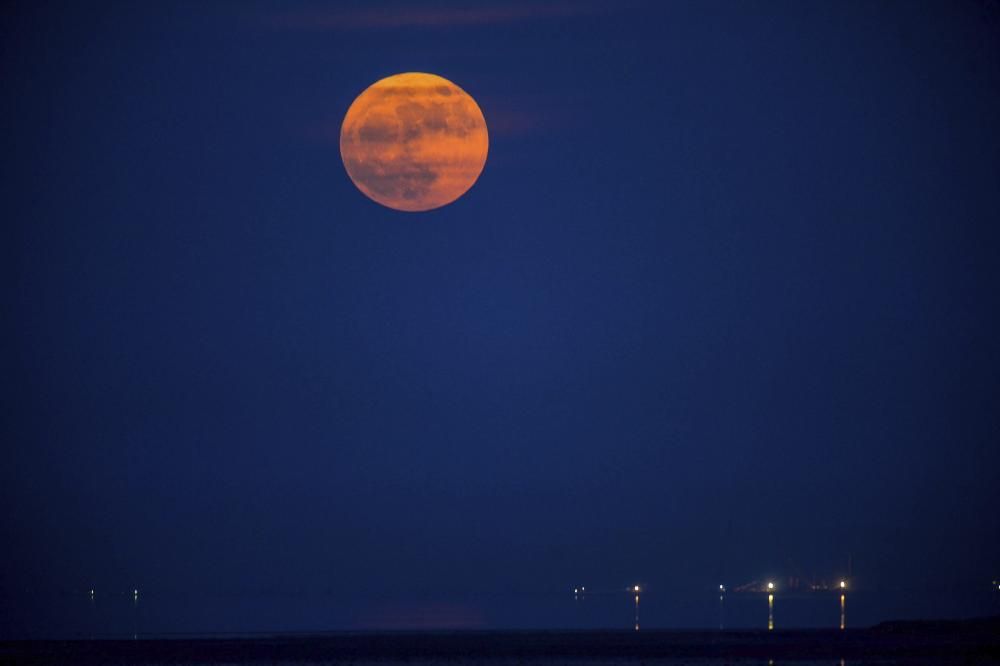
(636, 588)
(843, 584)
(770, 586)
(722, 587)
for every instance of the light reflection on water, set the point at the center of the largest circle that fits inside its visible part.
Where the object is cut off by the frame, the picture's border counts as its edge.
(154, 613)
(135, 616)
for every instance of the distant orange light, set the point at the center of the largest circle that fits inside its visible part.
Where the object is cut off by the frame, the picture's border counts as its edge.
(414, 142)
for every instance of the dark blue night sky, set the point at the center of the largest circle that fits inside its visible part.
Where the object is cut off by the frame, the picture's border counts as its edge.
(723, 305)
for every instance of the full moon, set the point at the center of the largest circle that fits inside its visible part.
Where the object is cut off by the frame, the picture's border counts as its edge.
(414, 142)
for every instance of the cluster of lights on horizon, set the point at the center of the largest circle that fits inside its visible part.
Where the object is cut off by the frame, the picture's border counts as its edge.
(636, 589)
(771, 588)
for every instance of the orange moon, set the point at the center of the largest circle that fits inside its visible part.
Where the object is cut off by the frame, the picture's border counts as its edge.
(414, 142)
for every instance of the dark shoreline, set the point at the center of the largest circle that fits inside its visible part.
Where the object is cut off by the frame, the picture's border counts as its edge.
(973, 640)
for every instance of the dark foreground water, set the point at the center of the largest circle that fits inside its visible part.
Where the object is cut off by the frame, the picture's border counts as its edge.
(121, 614)
(913, 643)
